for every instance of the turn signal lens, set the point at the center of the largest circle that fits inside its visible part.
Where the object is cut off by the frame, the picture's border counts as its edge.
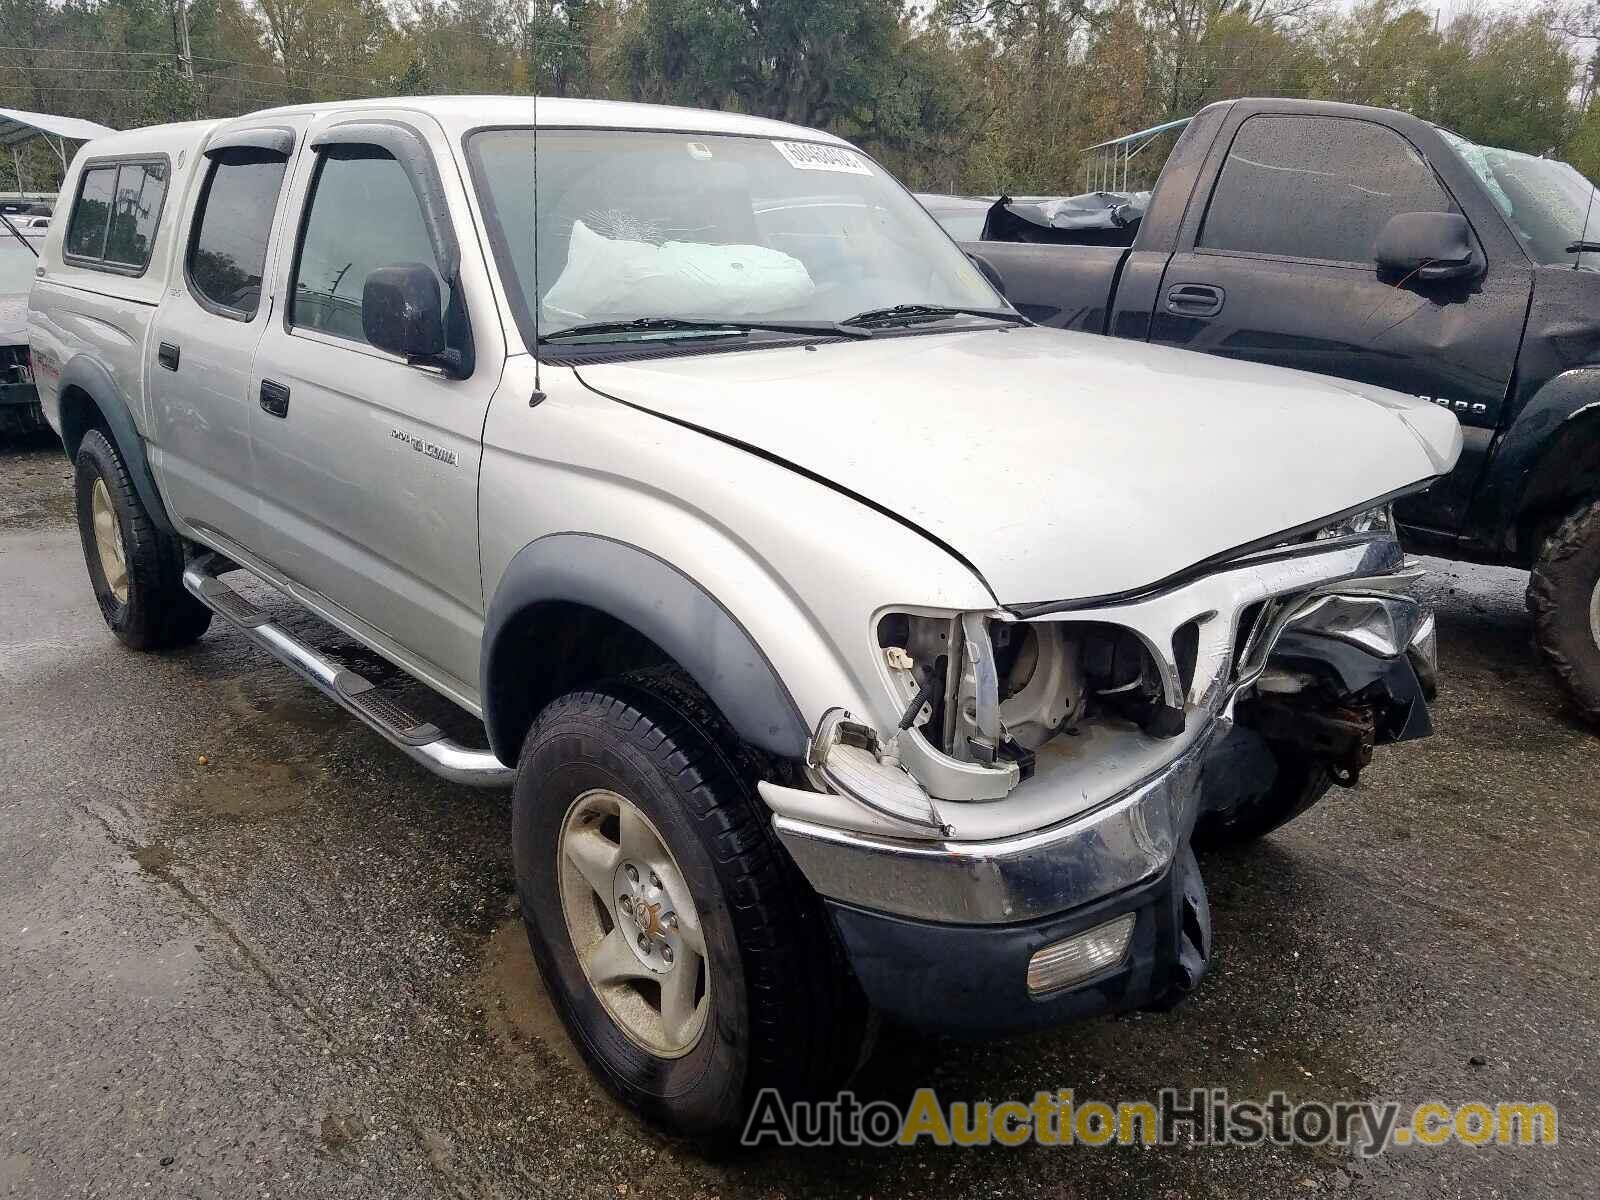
(1062, 964)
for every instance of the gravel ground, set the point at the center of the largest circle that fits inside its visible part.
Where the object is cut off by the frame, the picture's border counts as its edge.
(246, 949)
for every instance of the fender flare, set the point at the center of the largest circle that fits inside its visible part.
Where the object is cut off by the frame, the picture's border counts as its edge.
(656, 599)
(93, 379)
(1512, 471)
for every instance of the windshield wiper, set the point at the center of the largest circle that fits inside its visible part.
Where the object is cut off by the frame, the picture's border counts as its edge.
(1582, 248)
(701, 328)
(905, 314)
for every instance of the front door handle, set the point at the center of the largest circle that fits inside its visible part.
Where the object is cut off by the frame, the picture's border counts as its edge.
(274, 398)
(1195, 300)
(167, 355)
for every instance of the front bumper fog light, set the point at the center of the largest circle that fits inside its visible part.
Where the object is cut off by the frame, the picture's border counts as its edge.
(1062, 964)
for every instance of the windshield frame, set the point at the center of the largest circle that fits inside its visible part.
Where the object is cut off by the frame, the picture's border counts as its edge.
(504, 268)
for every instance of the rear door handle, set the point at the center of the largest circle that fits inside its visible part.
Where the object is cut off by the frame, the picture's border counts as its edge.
(167, 356)
(274, 398)
(1195, 300)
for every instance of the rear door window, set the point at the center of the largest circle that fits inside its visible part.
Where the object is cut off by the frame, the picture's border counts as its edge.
(1316, 187)
(228, 246)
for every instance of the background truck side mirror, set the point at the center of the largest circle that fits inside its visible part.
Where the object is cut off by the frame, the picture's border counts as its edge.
(1428, 246)
(401, 311)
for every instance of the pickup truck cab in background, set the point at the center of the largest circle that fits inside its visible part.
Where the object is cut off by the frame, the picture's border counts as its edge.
(851, 644)
(1368, 244)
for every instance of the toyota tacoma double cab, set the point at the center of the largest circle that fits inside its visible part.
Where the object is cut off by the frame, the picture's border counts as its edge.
(852, 646)
(1369, 244)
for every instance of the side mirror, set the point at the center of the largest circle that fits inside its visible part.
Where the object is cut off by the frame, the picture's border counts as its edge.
(402, 311)
(1432, 247)
(986, 269)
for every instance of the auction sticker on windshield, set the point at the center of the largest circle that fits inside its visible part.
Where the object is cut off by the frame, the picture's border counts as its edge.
(808, 156)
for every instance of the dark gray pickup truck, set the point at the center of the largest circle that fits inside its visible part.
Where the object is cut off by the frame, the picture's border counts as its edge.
(1369, 244)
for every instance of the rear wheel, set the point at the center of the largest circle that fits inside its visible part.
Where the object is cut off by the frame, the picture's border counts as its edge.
(135, 569)
(1564, 598)
(691, 964)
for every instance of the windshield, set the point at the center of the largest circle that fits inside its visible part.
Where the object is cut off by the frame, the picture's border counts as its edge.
(1547, 202)
(641, 226)
(16, 265)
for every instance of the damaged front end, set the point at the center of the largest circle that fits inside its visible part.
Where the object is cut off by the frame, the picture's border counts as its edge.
(1051, 758)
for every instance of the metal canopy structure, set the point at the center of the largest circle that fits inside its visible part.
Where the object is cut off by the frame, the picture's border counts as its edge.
(1106, 164)
(18, 127)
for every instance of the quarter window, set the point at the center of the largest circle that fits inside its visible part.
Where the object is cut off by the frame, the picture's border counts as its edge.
(363, 215)
(228, 249)
(1316, 187)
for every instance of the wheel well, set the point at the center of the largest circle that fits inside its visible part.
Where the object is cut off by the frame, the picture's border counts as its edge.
(558, 646)
(79, 414)
(1566, 475)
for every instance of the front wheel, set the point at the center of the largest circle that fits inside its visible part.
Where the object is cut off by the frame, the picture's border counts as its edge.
(135, 569)
(1564, 598)
(1299, 784)
(691, 964)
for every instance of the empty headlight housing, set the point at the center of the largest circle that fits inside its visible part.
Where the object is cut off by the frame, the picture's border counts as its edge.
(1378, 519)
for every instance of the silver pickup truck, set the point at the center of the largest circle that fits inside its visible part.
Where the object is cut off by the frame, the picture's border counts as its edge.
(852, 646)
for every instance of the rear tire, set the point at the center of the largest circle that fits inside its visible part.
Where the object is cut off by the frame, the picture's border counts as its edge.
(781, 1009)
(136, 569)
(1564, 598)
(1299, 785)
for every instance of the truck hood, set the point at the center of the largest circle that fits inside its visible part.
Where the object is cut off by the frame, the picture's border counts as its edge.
(1060, 465)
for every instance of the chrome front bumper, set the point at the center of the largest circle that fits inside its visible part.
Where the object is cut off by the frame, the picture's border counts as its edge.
(1117, 845)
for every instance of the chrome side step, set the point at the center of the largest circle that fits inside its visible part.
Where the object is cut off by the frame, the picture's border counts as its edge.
(358, 695)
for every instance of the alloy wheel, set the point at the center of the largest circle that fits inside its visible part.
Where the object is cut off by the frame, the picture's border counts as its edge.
(633, 924)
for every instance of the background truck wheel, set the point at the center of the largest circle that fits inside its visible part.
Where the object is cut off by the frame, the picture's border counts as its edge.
(691, 964)
(1564, 598)
(136, 569)
(1299, 785)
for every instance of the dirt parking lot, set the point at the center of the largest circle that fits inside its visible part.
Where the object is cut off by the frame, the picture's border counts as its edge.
(246, 949)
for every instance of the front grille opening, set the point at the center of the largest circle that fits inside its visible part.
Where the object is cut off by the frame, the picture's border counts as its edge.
(1249, 618)
(1186, 652)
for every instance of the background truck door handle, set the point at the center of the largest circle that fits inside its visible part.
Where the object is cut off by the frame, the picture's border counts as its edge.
(274, 398)
(1195, 300)
(167, 355)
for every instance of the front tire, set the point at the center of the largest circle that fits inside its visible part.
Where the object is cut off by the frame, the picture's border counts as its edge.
(136, 569)
(1564, 598)
(689, 961)
(1299, 784)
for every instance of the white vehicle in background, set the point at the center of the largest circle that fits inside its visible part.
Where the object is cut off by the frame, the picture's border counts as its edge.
(849, 643)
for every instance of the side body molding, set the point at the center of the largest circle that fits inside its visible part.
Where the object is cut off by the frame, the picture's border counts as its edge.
(90, 377)
(656, 599)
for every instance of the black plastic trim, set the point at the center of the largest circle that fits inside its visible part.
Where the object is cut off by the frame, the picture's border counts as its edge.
(97, 383)
(277, 140)
(659, 601)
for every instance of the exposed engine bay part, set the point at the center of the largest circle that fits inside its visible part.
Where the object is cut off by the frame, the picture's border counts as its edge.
(988, 689)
